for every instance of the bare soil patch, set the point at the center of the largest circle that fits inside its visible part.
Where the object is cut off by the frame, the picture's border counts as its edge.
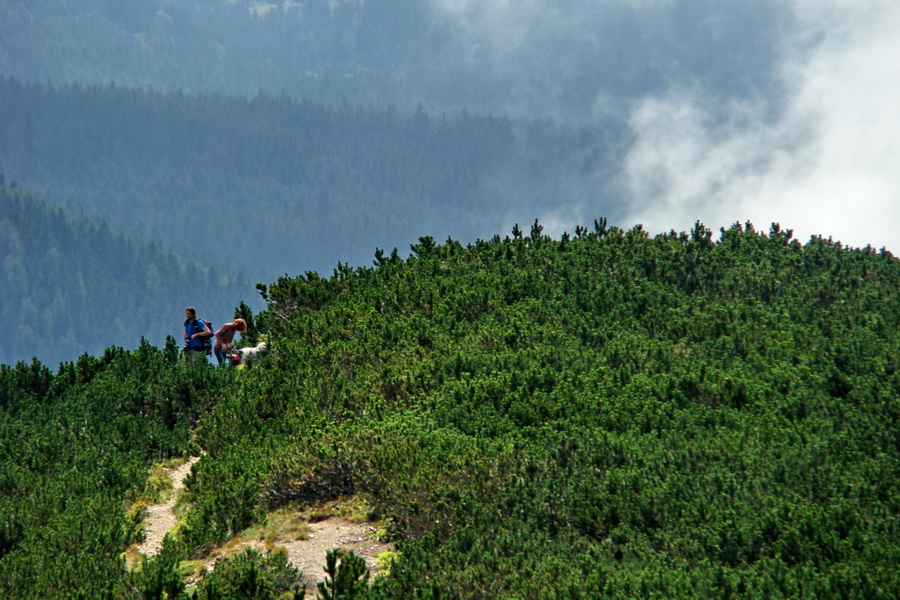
(336, 532)
(307, 553)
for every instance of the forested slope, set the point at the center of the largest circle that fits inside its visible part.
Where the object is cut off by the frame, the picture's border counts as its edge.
(601, 415)
(72, 284)
(278, 186)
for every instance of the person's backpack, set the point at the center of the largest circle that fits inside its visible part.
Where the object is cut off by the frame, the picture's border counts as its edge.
(207, 341)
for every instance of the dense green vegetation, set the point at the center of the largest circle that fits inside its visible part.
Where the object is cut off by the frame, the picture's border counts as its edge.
(277, 186)
(601, 415)
(74, 451)
(72, 285)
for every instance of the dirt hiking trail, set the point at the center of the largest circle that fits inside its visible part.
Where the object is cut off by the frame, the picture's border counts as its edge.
(159, 519)
(307, 555)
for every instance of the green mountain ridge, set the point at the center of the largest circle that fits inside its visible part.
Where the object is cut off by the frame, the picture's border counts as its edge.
(73, 285)
(602, 415)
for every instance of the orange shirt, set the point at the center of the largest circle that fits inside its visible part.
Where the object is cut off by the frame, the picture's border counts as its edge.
(225, 335)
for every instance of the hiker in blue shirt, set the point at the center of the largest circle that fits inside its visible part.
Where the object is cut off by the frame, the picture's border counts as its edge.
(195, 334)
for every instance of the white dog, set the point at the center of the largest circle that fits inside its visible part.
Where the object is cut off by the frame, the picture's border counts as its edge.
(252, 353)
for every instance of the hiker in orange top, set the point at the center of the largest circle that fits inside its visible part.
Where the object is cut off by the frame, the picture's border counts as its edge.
(225, 338)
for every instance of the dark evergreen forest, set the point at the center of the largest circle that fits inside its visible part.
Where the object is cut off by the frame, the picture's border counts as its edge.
(275, 186)
(600, 415)
(586, 66)
(73, 285)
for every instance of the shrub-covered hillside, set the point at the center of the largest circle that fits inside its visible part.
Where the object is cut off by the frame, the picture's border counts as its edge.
(75, 447)
(604, 415)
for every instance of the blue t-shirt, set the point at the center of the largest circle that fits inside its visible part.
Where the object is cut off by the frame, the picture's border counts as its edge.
(192, 327)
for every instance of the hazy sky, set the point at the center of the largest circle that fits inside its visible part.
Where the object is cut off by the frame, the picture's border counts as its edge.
(821, 158)
(827, 164)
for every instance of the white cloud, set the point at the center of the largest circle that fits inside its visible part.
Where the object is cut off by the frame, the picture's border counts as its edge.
(502, 29)
(826, 162)
(823, 157)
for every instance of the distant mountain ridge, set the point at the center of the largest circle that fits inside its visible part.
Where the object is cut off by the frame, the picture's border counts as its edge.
(279, 186)
(566, 59)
